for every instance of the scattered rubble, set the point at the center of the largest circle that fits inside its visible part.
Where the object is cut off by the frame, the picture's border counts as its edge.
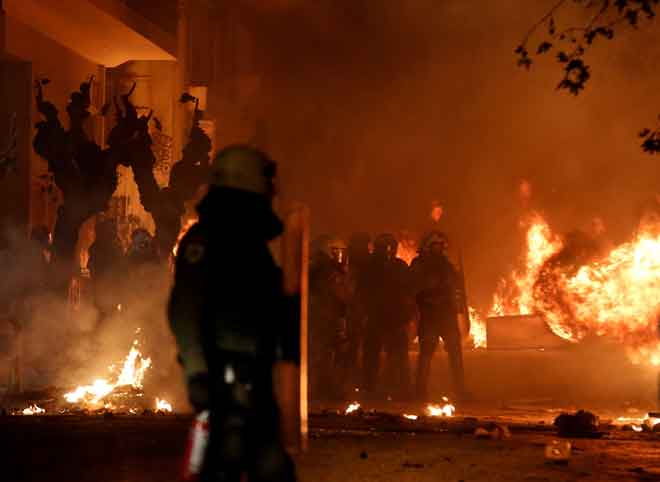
(582, 424)
(558, 451)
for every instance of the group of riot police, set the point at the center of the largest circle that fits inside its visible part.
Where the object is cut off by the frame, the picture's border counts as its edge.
(364, 305)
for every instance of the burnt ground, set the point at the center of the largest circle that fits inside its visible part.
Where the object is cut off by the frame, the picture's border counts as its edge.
(343, 449)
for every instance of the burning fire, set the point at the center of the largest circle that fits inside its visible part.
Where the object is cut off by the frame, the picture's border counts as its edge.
(580, 291)
(184, 229)
(132, 375)
(515, 296)
(410, 417)
(163, 406)
(406, 251)
(444, 410)
(33, 410)
(477, 329)
(353, 407)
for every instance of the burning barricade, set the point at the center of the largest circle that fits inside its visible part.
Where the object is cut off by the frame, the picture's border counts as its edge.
(581, 288)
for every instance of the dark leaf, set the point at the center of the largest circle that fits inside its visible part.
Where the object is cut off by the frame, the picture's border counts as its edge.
(562, 57)
(525, 62)
(644, 132)
(651, 145)
(589, 36)
(543, 47)
(621, 4)
(551, 26)
(632, 16)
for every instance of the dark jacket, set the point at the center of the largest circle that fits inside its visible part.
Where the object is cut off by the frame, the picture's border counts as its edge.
(227, 295)
(384, 290)
(436, 284)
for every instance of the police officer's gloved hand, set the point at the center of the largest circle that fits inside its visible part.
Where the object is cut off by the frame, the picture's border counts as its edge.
(198, 391)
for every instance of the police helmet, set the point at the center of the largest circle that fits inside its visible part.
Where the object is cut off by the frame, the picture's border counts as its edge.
(244, 168)
(434, 237)
(337, 250)
(386, 244)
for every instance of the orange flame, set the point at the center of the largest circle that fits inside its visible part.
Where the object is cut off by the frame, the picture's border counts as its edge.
(444, 410)
(477, 329)
(132, 374)
(515, 296)
(353, 407)
(33, 410)
(406, 250)
(613, 296)
(163, 406)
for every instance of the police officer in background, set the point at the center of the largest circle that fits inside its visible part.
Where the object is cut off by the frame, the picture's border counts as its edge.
(328, 340)
(437, 286)
(384, 291)
(359, 254)
(232, 320)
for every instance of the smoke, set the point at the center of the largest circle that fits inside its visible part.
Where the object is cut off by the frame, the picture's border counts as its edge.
(67, 344)
(375, 109)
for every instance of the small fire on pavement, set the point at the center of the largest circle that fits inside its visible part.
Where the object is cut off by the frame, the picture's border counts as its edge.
(444, 410)
(163, 406)
(121, 392)
(33, 410)
(353, 407)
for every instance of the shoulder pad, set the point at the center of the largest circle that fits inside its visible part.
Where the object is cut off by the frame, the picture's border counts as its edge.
(192, 247)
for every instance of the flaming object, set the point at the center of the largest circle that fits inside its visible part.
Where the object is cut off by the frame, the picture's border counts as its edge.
(353, 407)
(163, 406)
(33, 410)
(410, 417)
(608, 294)
(406, 250)
(444, 410)
(132, 375)
(477, 329)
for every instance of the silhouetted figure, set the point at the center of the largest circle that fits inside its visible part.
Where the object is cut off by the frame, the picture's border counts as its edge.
(384, 291)
(436, 285)
(231, 320)
(106, 269)
(328, 340)
(85, 174)
(358, 258)
(167, 204)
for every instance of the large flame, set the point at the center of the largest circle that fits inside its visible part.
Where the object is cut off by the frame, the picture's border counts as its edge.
(581, 292)
(515, 296)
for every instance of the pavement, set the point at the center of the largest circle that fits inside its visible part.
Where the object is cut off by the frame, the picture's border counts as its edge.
(367, 446)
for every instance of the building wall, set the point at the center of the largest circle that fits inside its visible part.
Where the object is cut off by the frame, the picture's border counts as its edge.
(66, 70)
